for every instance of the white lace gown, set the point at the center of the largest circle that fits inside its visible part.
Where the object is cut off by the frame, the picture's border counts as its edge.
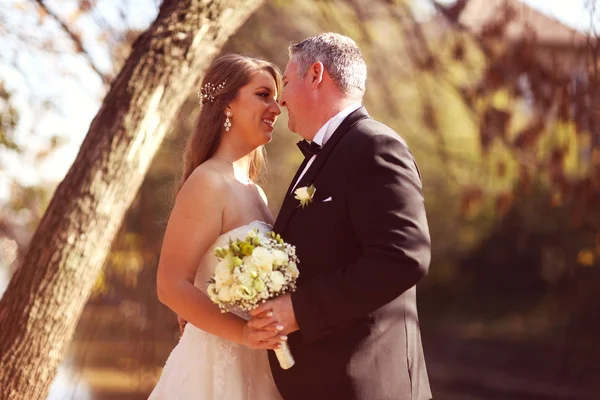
(206, 367)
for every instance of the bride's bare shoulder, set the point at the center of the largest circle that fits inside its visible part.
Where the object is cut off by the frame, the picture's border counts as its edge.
(205, 179)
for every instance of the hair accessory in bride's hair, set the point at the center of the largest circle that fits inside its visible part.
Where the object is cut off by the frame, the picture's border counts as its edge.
(209, 91)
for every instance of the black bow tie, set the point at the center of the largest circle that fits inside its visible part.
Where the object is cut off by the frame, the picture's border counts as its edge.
(307, 148)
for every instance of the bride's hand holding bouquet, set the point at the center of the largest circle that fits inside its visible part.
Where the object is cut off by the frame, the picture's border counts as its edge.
(251, 271)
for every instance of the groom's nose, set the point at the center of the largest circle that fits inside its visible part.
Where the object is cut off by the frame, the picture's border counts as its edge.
(282, 101)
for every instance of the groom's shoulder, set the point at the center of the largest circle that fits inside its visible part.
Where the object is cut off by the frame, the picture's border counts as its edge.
(371, 133)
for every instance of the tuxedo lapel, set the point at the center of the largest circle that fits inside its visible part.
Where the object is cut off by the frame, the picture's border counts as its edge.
(344, 127)
(290, 204)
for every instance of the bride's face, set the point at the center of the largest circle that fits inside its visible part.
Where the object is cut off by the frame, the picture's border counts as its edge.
(255, 110)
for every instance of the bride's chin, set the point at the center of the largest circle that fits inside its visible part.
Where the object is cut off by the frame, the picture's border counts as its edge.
(268, 136)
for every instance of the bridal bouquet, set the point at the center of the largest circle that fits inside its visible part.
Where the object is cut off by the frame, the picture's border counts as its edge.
(254, 270)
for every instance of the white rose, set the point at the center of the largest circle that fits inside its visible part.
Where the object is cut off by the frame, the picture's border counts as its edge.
(277, 281)
(262, 258)
(224, 294)
(223, 276)
(280, 257)
(292, 268)
(265, 269)
(246, 292)
(262, 269)
(237, 273)
(222, 264)
(245, 280)
(263, 275)
(256, 272)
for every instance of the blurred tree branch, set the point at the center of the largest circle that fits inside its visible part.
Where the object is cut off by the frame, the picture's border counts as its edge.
(79, 48)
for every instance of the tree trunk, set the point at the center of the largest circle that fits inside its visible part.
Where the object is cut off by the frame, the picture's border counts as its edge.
(42, 304)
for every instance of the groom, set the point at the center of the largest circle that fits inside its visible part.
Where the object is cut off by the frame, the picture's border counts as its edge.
(362, 240)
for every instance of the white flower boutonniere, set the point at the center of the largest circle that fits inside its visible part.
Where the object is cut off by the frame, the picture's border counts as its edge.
(305, 195)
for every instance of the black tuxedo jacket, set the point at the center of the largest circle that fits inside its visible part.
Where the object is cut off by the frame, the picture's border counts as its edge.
(361, 255)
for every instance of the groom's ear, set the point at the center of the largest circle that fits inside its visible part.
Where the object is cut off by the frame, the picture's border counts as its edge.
(315, 73)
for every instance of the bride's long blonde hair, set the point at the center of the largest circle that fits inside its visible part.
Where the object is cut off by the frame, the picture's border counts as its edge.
(236, 71)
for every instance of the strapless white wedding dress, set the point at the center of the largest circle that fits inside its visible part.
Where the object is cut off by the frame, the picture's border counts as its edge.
(206, 367)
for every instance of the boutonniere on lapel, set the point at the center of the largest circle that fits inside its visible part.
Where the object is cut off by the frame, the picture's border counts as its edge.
(305, 195)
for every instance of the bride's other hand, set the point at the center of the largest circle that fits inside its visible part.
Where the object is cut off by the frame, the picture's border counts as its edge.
(265, 321)
(281, 311)
(268, 337)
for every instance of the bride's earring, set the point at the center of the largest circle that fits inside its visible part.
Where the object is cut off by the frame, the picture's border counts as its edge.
(227, 122)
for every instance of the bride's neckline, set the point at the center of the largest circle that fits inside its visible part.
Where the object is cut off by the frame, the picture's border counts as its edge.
(256, 221)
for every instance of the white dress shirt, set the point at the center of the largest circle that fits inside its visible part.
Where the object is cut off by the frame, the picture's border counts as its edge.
(326, 131)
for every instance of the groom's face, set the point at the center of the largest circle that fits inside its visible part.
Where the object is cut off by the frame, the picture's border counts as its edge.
(296, 98)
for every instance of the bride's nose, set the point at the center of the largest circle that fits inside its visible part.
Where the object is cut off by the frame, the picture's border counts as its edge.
(275, 109)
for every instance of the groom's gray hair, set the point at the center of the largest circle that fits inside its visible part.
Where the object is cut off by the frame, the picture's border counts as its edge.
(340, 56)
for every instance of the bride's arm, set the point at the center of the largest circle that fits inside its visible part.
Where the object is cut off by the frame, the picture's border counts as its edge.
(194, 225)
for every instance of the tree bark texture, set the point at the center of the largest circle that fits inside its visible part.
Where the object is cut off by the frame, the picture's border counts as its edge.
(42, 304)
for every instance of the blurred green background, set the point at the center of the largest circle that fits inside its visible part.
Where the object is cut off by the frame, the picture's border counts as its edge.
(500, 105)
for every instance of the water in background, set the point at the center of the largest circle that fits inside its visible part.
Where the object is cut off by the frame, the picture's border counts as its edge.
(69, 385)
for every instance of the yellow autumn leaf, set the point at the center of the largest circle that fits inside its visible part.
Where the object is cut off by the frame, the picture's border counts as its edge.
(586, 258)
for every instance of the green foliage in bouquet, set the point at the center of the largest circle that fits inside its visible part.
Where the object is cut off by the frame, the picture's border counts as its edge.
(253, 270)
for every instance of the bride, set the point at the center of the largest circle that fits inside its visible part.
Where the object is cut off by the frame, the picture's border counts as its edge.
(218, 356)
